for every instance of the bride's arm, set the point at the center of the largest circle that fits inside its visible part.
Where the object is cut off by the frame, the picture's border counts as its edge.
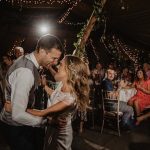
(52, 109)
(48, 90)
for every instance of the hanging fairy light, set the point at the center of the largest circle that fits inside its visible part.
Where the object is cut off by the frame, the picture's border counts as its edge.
(94, 50)
(120, 50)
(131, 53)
(73, 24)
(39, 2)
(16, 43)
(68, 11)
(46, 3)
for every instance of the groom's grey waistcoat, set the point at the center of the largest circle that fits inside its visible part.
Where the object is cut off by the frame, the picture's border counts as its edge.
(22, 62)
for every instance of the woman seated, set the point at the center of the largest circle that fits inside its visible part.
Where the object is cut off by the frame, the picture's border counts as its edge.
(142, 98)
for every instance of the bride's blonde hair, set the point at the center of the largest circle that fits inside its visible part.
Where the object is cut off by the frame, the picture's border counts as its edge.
(77, 71)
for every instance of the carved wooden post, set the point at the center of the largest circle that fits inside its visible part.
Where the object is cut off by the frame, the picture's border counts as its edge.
(86, 33)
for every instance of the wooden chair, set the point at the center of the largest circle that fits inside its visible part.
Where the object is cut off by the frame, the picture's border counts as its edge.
(110, 114)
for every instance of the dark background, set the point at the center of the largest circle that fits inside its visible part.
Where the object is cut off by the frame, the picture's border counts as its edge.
(129, 19)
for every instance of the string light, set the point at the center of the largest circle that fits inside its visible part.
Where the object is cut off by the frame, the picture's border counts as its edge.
(73, 24)
(124, 6)
(117, 47)
(39, 2)
(15, 44)
(94, 50)
(122, 47)
(68, 11)
(46, 3)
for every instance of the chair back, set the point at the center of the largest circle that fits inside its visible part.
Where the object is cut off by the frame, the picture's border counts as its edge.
(109, 99)
(110, 106)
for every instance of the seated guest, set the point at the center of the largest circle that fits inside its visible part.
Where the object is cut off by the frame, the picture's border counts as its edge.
(146, 68)
(107, 85)
(7, 62)
(97, 75)
(142, 97)
(126, 75)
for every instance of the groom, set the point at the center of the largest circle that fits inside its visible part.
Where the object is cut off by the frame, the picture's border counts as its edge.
(21, 81)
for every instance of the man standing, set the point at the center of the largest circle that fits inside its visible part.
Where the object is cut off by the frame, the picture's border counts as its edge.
(21, 81)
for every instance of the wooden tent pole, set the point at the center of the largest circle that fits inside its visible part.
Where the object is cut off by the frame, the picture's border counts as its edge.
(88, 30)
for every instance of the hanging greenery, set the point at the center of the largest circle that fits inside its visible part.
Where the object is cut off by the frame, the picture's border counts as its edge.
(79, 51)
(86, 30)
